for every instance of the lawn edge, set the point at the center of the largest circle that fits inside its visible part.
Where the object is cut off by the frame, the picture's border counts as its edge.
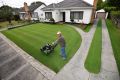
(47, 72)
(89, 52)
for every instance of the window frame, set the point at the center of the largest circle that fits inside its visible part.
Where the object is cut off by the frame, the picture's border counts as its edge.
(74, 13)
(48, 15)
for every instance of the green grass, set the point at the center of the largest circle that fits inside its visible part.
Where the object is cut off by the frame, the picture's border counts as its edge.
(31, 38)
(85, 27)
(115, 40)
(88, 27)
(93, 60)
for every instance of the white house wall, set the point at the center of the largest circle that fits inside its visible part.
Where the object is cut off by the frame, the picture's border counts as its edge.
(57, 15)
(67, 16)
(40, 12)
(86, 16)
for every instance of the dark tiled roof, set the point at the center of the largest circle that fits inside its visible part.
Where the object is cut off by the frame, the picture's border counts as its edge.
(32, 7)
(69, 4)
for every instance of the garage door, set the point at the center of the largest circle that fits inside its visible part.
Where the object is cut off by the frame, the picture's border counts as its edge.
(101, 15)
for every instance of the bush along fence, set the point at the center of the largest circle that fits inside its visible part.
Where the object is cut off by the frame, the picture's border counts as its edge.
(115, 17)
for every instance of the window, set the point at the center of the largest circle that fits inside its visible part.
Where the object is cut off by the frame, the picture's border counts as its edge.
(35, 15)
(48, 15)
(41, 14)
(76, 15)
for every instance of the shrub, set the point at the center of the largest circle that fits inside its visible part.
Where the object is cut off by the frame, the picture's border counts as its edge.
(115, 16)
(72, 20)
(16, 17)
(52, 20)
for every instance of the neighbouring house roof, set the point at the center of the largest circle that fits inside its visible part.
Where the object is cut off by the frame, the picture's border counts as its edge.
(16, 11)
(32, 7)
(68, 4)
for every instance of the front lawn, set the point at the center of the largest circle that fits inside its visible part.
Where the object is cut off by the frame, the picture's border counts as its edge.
(88, 27)
(93, 60)
(30, 38)
(115, 40)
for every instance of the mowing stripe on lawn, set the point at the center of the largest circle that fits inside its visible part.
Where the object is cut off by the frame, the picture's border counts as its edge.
(31, 34)
(34, 33)
(31, 38)
(93, 60)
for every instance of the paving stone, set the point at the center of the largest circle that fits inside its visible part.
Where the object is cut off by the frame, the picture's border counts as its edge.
(95, 77)
(28, 73)
(6, 55)
(45, 79)
(4, 47)
(11, 66)
(2, 42)
(40, 77)
(1, 39)
(105, 75)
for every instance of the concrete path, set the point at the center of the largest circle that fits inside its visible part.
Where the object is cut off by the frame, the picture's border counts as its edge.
(74, 70)
(15, 64)
(109, 69)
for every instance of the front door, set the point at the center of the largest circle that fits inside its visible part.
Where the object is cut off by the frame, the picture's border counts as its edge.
(63, 16)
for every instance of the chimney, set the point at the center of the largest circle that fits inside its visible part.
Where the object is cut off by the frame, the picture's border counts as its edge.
(94, 10)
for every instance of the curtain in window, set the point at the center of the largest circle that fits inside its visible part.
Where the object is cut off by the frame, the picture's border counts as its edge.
(76, 15)
(35, 15)
(48, 15)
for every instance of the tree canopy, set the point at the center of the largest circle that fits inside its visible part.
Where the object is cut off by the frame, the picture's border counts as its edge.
(38, 2)
(99, 4)
(5, 12)
(114, 3)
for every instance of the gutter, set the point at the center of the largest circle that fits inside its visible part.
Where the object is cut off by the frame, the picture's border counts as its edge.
(68, 8)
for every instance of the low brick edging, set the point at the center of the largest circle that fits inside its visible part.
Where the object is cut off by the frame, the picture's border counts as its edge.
(45, 71)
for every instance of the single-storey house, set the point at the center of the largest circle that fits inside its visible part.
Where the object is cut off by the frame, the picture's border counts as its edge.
(35, 10)
(78, 11)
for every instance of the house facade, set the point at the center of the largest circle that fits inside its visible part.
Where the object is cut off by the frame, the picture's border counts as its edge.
(77, 11)
(35, 10)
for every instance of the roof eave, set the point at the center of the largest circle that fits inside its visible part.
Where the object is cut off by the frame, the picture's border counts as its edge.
(67, 8)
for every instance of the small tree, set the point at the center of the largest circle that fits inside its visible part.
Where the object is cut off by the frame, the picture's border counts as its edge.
(17, 17)
(38, 3)
(114, 3)
(6, 13)
(99, 4)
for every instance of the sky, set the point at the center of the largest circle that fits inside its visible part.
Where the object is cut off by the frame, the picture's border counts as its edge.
(19, 3)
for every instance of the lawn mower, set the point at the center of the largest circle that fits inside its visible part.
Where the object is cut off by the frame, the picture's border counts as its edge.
(48, 48)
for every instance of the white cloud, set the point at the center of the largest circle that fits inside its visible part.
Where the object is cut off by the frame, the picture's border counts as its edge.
(19, 3)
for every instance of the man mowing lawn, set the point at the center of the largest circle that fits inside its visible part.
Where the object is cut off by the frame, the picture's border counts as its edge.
(62, 43)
